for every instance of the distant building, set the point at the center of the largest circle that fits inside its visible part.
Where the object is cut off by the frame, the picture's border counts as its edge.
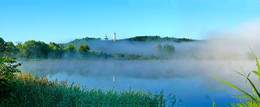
(105, 37)
(114, 37)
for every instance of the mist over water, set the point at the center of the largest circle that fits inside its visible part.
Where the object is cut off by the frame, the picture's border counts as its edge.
(189, 72)
(190, 81)
(212, 49)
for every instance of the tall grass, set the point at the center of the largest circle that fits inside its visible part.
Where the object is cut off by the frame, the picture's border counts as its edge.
(38, 91)
(253, 98)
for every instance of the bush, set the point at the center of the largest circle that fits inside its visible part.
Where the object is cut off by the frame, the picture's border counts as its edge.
(7, 69)
(8, 66)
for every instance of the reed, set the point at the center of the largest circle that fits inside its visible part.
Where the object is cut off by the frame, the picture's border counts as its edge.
(253, 98)
(39, 91)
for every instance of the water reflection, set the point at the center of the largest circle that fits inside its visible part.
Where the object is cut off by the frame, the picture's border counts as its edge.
(189, 80)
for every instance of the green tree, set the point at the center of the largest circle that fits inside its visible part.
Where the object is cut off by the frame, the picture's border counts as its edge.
(56, 50)
(169, 49)
(2, 47)
(165, 50)
(7, 69)
(83, 49)
(19, 47)
(70, 49)
(34, 49)
(10, 49)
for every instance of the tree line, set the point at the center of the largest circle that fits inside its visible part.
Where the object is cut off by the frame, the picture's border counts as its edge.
(39, 49)
(158, 38)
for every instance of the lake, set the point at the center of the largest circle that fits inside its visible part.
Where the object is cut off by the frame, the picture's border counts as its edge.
(191, 81)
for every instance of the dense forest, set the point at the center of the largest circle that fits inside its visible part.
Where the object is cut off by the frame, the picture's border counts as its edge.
(39, 49)
(158, 38)
(140, 38)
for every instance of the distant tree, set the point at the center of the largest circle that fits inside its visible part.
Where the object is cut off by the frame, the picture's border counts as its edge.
(77, 42)
(34, 49)
(118, 55)
(169, 49)
(7, 48)
(132, 56)
(2, 47)
(145, 38)
(184, 40)
(10, 49)
(84, 49)
(159, 47)
(70, 49)
(19, 47)
(169, 39)
(158, 38)
(56, 50)
(165, 50)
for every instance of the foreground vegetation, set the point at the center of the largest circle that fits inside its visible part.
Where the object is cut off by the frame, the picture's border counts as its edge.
(23, 89)
(249, 99)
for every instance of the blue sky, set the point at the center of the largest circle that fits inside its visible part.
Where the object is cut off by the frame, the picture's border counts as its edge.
(65, 20)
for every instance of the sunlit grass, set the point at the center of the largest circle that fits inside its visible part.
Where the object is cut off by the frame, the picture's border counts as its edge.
(38, 91)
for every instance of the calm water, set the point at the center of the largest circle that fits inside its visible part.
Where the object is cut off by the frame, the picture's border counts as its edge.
(192, 81)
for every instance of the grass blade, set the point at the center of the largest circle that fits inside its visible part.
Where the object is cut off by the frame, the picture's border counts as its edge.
(237, 88)
(257, 63)
(251, 83)
(255, 72)
(213, 104)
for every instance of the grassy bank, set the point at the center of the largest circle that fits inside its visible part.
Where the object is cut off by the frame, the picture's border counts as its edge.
(29, 90)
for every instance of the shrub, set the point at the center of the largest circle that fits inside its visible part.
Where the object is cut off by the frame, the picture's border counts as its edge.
(8, 66)
(7, 69)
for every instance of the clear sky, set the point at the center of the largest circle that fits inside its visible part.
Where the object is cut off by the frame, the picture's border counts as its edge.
(65, 20)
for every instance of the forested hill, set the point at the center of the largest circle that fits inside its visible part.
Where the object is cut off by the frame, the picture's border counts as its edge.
(137, 38)
(158, 38)
(134, 45)
(83, 39)
(140, 47)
